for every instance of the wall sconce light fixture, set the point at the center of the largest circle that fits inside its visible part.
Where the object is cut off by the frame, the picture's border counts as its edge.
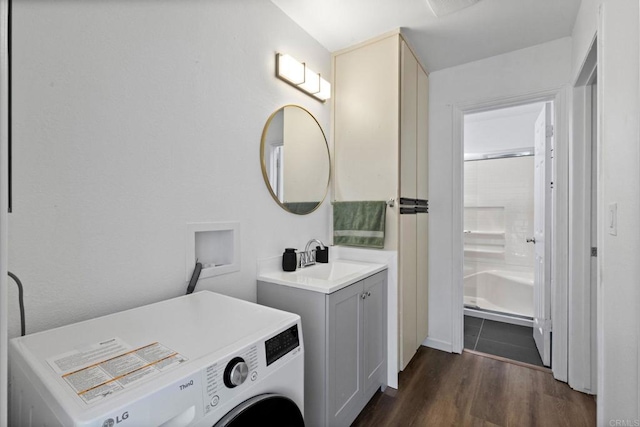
(302, 77)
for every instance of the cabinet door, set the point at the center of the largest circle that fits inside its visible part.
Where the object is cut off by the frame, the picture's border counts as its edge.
(422, 284)
(366, 121)
(374, 325)
(422, 279)
(422, 140)
(408, 269)
(366, 125)
(344, 329)
(408, 125)
(409, 189)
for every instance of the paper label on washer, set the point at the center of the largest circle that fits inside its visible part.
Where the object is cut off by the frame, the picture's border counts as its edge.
(76, 359)
(105, 368)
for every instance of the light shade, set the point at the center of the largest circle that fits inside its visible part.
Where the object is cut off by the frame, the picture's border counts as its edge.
(289, 69)
(302, 77)
(325, 90)
(311, 82)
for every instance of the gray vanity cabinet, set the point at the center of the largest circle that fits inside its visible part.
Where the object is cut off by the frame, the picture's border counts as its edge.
(375, 334)
(345, 341)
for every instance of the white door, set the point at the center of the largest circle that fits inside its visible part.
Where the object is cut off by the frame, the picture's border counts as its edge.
(542, 234)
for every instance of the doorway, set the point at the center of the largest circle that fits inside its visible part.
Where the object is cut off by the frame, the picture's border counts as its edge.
(507, 231)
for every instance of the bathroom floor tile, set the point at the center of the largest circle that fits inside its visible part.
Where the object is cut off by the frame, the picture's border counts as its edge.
(501, 339)
(472, 321)
(471, 330)
(509, 334)
(513, 352)
(470, 341)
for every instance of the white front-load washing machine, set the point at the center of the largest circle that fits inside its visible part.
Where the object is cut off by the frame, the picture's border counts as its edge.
(203, 359)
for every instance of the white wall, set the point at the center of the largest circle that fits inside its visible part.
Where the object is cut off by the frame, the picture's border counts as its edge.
(618, 181)
(534, 69)
(132, 119)
(584, 32)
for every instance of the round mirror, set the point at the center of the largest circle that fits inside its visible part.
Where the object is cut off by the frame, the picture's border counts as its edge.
(295, 159)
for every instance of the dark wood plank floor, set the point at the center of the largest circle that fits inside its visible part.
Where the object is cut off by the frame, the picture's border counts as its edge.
(443, 389)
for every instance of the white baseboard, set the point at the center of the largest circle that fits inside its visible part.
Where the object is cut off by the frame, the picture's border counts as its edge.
(438, 345)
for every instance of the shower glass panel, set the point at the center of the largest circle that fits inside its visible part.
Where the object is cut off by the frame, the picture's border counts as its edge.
(498, 218)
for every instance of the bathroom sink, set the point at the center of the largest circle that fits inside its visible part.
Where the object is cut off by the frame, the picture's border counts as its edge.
(336, 270)
(325, 278)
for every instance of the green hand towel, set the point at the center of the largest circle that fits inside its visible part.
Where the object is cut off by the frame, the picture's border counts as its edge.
(359, 224)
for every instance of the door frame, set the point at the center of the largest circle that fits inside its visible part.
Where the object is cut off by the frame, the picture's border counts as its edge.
(582, 314)
(560, 216)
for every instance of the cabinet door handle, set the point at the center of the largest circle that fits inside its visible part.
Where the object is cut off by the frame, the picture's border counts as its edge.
(364, 295)
(368, 294)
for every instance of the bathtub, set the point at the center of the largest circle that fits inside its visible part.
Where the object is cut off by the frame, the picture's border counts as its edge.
(501, 291)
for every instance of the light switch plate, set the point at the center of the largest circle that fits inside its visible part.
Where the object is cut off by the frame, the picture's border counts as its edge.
(613, 219)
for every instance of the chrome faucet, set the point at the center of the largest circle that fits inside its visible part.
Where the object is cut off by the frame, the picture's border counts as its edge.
(308, 257)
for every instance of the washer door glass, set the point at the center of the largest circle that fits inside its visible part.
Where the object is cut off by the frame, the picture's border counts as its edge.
(264, 410)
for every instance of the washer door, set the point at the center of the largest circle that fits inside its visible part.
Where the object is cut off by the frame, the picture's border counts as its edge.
(264, 410)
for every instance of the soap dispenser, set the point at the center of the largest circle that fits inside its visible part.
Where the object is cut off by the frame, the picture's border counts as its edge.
(289, 259)
(322, 255)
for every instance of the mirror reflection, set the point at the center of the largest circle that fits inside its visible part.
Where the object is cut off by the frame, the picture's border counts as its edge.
(295, 159)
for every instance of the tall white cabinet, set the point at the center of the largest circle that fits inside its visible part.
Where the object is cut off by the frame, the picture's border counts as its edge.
(380, 127)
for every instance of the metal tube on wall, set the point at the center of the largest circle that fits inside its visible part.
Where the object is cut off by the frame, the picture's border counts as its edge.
(498, 155)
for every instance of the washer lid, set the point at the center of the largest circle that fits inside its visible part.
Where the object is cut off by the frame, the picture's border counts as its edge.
(194, 325)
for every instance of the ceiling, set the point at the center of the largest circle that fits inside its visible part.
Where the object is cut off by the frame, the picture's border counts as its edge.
(501, 130)
(488, 28)
(532, 109)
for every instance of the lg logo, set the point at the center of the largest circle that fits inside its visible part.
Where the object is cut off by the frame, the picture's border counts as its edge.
(120, 418)
(185, 385)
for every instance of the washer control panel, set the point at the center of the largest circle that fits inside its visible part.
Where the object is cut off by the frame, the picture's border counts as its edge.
(228, 378)
(236, 372)
(281, 344)
(221, 378)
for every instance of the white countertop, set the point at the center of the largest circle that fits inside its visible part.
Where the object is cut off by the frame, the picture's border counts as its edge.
(325, 278)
